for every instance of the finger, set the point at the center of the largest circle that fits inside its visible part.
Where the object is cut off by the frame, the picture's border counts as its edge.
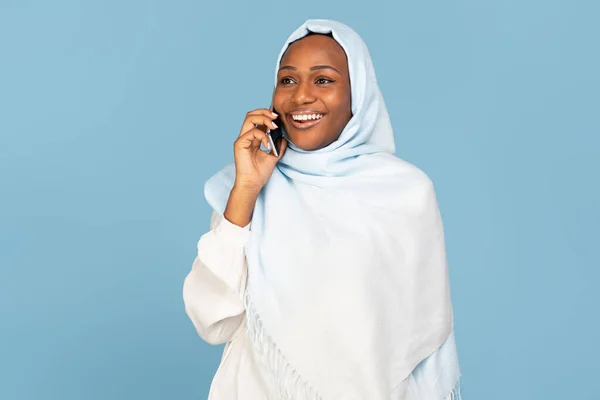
(253, 121)
(262, 111)
(264, 137)
(264, 117)
(252, 139)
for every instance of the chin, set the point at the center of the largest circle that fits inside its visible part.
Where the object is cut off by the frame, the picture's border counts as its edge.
(306, 141)
(304, 144)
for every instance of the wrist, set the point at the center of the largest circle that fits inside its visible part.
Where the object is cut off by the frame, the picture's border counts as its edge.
(240, 205)
(246, 189)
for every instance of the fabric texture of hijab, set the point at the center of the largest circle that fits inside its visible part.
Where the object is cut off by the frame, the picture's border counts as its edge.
(348, 290)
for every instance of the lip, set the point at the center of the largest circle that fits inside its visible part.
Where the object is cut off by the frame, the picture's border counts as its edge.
(308, 124)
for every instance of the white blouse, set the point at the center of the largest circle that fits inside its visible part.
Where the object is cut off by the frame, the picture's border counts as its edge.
(213, 294)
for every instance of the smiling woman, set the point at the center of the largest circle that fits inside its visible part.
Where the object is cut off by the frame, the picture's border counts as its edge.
(313, 91)
(324, 269)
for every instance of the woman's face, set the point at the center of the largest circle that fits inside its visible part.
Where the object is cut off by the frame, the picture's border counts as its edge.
(312, 96)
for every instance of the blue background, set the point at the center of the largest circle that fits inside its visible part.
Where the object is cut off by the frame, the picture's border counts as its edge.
(114, 113)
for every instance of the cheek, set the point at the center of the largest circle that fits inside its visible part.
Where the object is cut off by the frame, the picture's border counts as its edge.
(338, 101)
(277, 102)
(340, 109)
(280, 97)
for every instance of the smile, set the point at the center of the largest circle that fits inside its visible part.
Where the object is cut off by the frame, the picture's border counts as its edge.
(305, 121)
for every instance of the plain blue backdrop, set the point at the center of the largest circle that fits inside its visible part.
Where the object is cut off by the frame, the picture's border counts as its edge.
(114, 113)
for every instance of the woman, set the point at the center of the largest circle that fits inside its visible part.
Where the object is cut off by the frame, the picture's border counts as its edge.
(324, 269)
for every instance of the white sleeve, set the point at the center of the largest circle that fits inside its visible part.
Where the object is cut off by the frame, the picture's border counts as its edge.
(213, 291)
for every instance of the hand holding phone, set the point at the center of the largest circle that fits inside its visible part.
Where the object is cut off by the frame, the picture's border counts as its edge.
(253, 165)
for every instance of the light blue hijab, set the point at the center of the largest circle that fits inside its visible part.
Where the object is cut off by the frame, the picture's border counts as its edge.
(348, 293)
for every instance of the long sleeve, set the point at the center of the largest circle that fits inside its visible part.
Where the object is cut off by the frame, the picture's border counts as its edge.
(213, 291)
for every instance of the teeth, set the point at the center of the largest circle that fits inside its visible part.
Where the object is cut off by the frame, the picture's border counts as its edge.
(306, 117)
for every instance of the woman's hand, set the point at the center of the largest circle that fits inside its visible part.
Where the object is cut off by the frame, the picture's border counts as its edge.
(253, 167)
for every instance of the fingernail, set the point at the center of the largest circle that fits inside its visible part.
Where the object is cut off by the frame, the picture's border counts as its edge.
(274, 124)
(274, 114)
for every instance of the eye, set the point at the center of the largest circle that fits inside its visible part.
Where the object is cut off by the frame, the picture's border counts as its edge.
(322, 81)
(286, 81)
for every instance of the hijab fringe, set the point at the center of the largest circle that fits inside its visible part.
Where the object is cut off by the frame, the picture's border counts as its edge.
(290, 385)
(455, 394)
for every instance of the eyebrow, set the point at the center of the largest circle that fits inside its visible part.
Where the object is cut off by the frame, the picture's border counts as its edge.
(315, 68)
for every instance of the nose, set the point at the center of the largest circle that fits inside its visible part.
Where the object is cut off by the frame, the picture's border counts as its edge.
(303, 94)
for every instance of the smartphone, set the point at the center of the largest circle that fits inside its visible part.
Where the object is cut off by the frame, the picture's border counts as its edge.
(274, 134)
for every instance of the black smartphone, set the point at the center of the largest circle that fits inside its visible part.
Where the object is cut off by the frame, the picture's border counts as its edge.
(275, 134)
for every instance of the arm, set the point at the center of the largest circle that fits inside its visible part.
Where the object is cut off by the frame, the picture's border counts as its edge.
(213, 291)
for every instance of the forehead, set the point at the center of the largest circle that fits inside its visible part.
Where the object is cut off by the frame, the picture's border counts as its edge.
(315, 50)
